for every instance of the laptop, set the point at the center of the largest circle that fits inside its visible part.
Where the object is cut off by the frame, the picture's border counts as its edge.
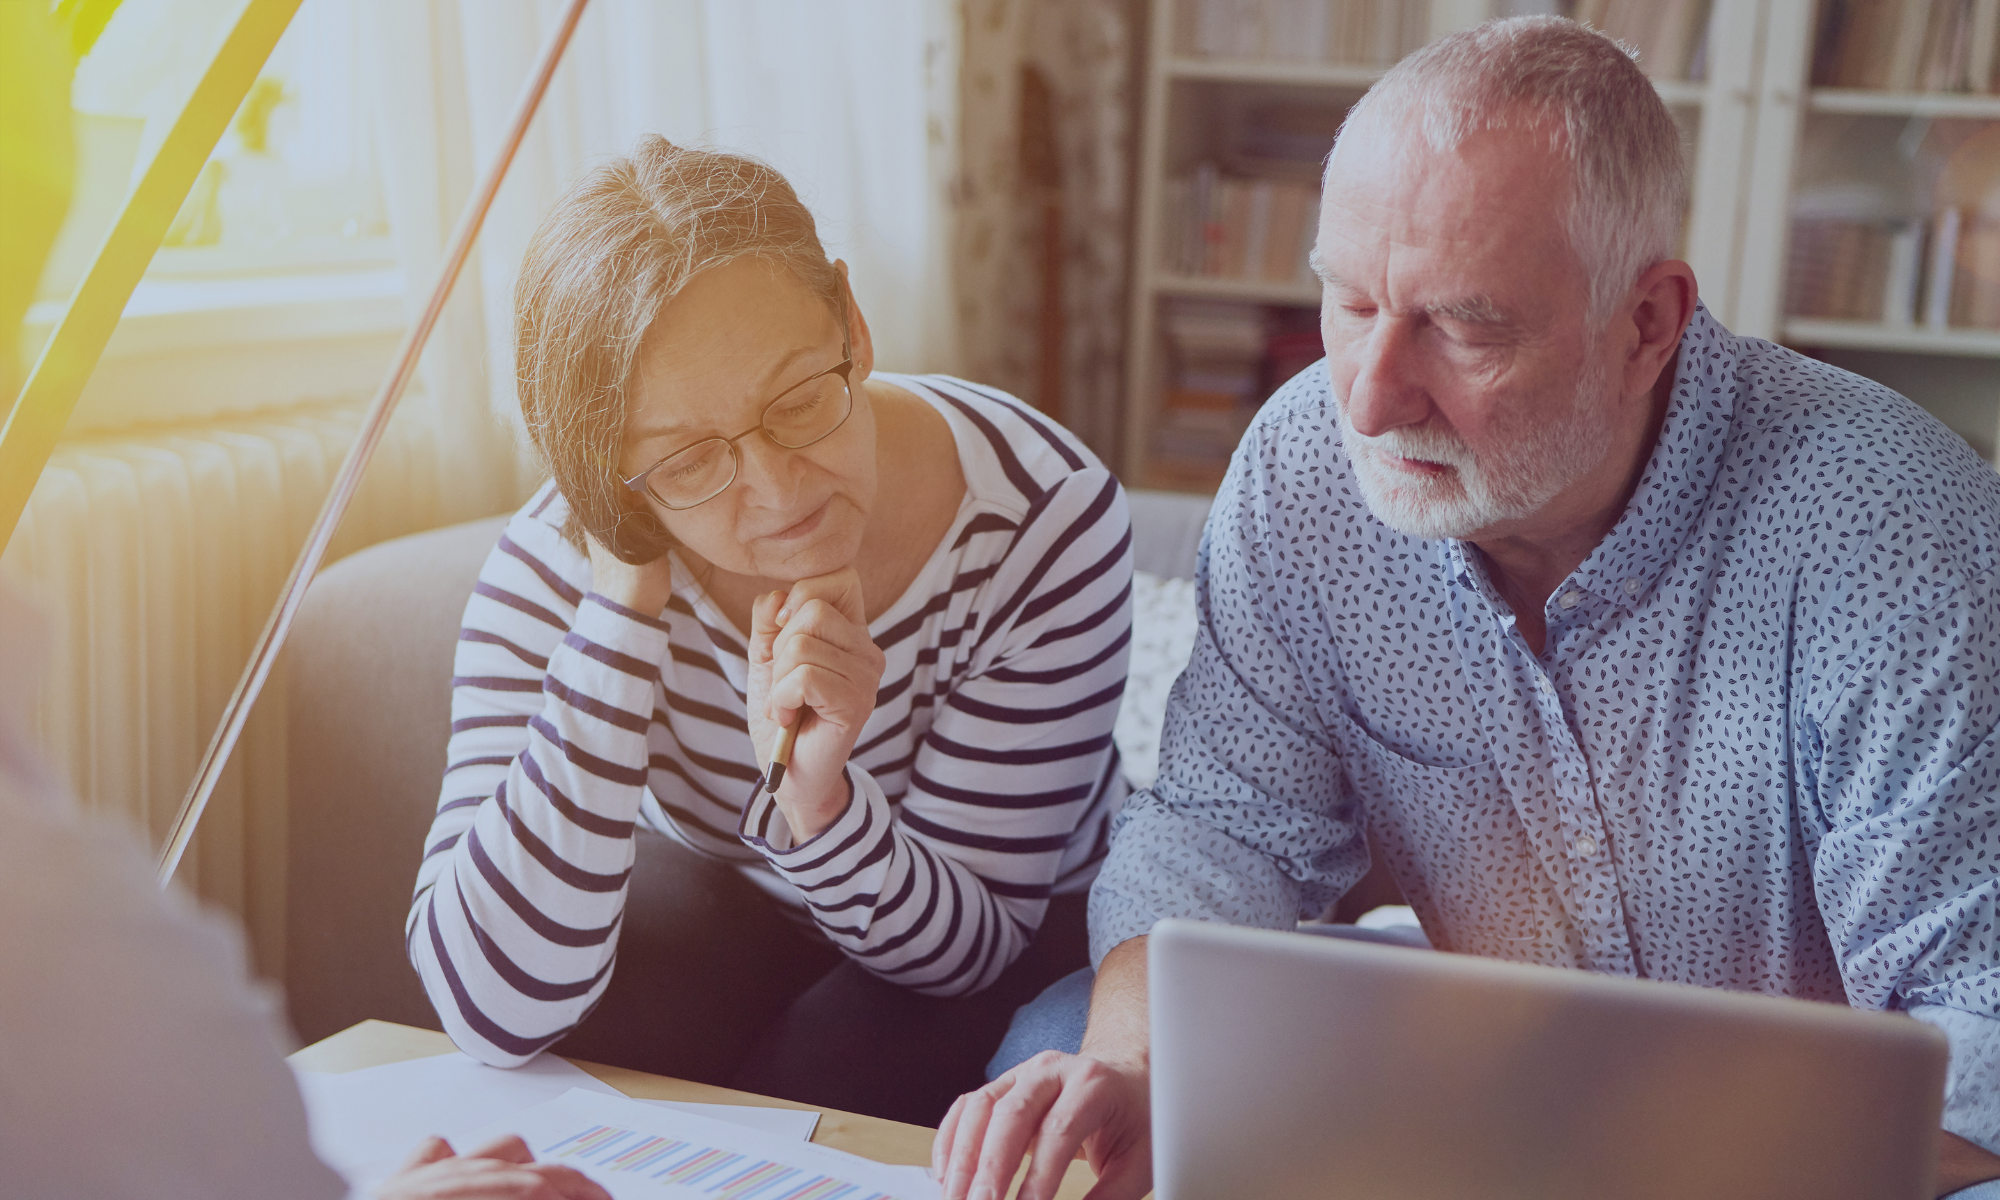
(1288, 1067)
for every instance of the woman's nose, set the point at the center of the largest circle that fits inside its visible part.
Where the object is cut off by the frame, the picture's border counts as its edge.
(766, 472)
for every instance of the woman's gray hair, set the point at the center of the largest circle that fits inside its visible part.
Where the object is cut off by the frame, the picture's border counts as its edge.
(1628, 163)
(610, 254)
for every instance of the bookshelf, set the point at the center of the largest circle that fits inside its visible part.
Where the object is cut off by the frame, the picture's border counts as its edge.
(1207, 342)
(1902, 104)
(1853, 151)
(1873, 335)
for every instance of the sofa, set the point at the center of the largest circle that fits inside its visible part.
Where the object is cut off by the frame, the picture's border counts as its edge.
(369, 690)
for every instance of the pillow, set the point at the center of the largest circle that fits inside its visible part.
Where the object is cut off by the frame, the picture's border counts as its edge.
(1163, 632)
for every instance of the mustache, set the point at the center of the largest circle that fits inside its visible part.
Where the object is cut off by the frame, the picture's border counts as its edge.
(1424, 444)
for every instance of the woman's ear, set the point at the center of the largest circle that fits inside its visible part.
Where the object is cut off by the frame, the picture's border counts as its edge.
(860, 344)
(634, 536)
(638, 538)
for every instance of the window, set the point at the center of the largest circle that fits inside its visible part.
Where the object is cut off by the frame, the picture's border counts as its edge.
(283, 240)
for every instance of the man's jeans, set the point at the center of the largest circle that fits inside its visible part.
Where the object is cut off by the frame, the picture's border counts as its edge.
(1051, 1021)
(1055, 1019)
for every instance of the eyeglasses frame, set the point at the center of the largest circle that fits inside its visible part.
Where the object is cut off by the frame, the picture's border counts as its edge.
(844, 368)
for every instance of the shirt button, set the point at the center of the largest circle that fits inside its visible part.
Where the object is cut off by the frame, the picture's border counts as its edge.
(1548, 686)
(1586, 846)
(1570, 599)
(1632, 587)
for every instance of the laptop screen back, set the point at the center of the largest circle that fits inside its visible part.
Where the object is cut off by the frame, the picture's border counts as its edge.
(1291, 1067)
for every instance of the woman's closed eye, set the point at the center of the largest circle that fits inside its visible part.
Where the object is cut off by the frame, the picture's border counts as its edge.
(797, 412)
(691, 464)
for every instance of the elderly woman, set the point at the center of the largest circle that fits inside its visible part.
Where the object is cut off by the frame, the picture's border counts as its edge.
(750, 529)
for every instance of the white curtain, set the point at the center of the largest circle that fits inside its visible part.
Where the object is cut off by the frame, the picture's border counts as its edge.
(855, 103)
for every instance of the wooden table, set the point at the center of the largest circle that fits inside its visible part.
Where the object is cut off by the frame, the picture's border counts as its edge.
(373, 1043)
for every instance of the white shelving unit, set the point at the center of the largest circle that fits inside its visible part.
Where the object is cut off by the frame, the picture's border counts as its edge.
(1912, 339)
(1902, 104)
(1747, 121)
(1179, 89)
(1948, 370)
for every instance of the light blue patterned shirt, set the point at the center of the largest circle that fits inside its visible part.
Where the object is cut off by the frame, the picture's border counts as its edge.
(1760, 750)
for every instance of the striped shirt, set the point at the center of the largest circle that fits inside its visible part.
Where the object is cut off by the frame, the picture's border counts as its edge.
(984, 782)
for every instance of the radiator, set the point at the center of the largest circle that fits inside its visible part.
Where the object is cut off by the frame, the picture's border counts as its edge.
(156, 557)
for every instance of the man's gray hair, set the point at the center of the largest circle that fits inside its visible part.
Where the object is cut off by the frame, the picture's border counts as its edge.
(1627, 162)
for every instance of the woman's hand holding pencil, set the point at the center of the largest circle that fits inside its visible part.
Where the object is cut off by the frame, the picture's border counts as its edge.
(781, 757)
(814, 672)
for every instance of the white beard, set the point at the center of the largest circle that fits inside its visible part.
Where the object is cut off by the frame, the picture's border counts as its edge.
(1507, 484)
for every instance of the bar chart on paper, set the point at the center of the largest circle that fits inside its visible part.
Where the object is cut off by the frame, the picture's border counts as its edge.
(638, 1152)
(684, 1168)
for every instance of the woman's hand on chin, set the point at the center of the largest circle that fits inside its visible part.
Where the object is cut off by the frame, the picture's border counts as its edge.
(645, 589)
(811, 659)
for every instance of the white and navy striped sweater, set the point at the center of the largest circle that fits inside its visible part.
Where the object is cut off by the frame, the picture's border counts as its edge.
(984, 782)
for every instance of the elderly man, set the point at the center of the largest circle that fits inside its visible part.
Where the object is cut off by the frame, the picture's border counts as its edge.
(1636, 646)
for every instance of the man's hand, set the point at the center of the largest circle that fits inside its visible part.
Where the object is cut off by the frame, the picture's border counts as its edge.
(1099, 1101)
(1051, 1106)
(812, 660)
(500, 1170)
(1962, 1164)
(645, 589)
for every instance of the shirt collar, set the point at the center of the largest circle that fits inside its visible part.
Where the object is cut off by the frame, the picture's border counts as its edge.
(1674, 489)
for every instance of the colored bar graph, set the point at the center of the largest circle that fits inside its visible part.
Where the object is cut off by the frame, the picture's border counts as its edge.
(701, 1170)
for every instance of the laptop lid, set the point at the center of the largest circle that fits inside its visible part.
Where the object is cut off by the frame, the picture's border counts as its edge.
(1287, 1067)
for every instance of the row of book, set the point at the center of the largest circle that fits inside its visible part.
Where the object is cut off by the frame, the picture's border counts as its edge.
(1943, 272)
(1907, 45)
(1669, 35)
(1357, 32)
(1227, 227)
(1223, 359)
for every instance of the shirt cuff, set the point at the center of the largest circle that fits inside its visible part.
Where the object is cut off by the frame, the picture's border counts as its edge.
(611, 635)
(632, 615)
(608, 664)
(827, 853)
(1972, 1081)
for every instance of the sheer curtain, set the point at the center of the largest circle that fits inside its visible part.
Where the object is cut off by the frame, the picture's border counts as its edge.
(855, 103)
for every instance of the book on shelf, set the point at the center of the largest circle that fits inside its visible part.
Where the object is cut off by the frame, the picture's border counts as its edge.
(1975, 288)
(1937, 289)
(1223, 359)
(1670, 36)
(1226, 227)
(1907, 45)
(1837, 270)
(1347, 32)
(1942, 272)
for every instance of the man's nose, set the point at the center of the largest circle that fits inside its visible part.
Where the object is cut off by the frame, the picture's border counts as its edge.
(1385, 393)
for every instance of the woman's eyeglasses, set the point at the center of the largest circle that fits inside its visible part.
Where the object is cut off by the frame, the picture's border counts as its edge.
(801, 415)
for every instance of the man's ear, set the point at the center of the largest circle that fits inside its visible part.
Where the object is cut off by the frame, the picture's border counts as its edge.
(1664, 300)
(860, 343)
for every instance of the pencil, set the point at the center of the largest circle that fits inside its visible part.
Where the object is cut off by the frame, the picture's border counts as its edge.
(781, 757)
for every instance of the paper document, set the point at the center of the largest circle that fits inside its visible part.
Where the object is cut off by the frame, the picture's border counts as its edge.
(642, 1152)
(785, 1122)
(365, 1123)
